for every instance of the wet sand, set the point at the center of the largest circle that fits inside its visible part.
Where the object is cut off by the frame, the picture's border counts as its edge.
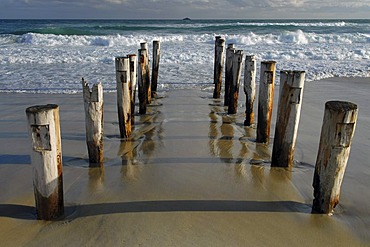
(190, 176)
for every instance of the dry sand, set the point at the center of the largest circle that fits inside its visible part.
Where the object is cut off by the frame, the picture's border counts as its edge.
(192, 176)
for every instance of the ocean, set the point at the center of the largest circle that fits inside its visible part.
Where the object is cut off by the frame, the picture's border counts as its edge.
(51, 56)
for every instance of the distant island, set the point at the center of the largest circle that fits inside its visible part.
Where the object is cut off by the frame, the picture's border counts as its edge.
(186, 19)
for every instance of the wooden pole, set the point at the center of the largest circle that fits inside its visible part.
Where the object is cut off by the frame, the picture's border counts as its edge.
(133, 82)
(155, 67)
(234, 89)
(94, 105)
(142, 81)
(288, 115)
(228, 72)
(144, 45)
(265, 100)
(123, 96)
(335, 143)
(46, 158)
(218, 65)
(249, 88)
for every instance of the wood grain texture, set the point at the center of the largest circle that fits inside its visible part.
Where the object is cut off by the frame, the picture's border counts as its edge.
(94, 122)
(218, 66)
(133, 83)
(144, 45)
(234, 88)
(155, 67)
(335, 143)
(288, 116)
(265, 100)
(228, 72)
(249, 88)
(46, 159)
(123, 96)
(142, 81)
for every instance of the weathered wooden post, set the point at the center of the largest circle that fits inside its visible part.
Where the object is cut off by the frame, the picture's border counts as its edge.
(155, 67)
(335, 143)
(265, 100)
(123, 96)
(144, 45)
(46, 158)
(288, 115)
(218, 65)
(228, 72)
(249, 89)
(234, 88)
(133, 82)
(142, 81)
(94, 105)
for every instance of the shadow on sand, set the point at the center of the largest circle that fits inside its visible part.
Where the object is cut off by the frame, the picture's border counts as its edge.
(79, 211)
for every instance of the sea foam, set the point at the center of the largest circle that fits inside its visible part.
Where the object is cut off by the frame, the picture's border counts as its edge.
(47, 62)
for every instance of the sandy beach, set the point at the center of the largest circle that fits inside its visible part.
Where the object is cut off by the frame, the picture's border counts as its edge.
(191, 176)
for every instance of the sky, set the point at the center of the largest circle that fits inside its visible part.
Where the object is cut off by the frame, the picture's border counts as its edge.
(178, 9)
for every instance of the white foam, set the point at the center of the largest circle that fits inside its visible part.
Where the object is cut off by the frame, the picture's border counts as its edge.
(296, 24)
(55, 63)
(287, 37)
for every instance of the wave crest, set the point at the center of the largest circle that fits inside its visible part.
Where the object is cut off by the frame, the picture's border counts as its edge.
(285, 37)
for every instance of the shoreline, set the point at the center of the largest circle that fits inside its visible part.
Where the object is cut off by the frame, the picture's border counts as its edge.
(188, 177)
(200, 86)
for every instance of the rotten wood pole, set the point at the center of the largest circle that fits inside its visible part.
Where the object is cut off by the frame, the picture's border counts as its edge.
(218, 65)
(46, 159)
(123, 96)
(234, 88)
(94, 105)
(133, 82)
(249, 88)
(144, 45)
(335, 143)
(228, 72)
(288, 116)
(155, 67)
(265, 100)
(142, 81)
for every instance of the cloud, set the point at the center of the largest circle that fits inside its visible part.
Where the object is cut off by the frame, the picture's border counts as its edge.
(265, 3)
(179, 8)
(115, 1)
(298, 3)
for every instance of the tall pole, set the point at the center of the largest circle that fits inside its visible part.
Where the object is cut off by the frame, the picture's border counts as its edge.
(218, 65)
(133, 83)
(123, 96)
(337, 131)
(155, 67)
(249, 89)
(46, 159)
(144, 45)
(94, 105)
(234, 88)
(288, 115)
(142, 81)
(265, 100)
(228, 72)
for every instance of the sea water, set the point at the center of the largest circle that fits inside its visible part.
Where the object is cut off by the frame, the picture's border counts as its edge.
(51, 56)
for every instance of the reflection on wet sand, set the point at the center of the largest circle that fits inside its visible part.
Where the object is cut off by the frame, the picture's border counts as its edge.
(230, 148)
(236, 145)
(186, 189)
(221, 135)
(130, 168)
(96, 179)
(143, 144)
